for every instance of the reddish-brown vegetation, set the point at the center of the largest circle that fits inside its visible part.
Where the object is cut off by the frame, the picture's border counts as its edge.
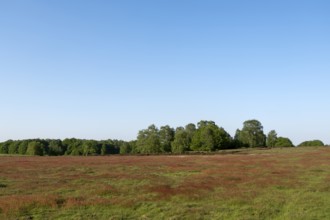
(65, 182)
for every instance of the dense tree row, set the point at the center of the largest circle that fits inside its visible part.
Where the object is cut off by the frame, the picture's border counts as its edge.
(53, 147)
(206, 136)
(311, 143)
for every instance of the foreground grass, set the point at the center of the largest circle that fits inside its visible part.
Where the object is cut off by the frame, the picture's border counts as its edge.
(259, 184)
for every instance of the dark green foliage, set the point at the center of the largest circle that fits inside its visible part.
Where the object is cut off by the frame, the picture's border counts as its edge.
(104, 149)
(252, 134)
(181, 141)
(55, 147)
(183, 138)
(190, 129)
(133, 147)
(90, 147)
(313, 143)
(148, 141)
(23, 147)
(5, 147)
(114, 146)
(166, 136)
(125, 148)
(271, 138)
(225, 140)
(35, 148)
(206, 137)
(73, 146)
(283, 142)
(13, 147)
(210, 137)
(237, 143)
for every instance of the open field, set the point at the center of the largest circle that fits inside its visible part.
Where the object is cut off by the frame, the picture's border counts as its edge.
(291, 183)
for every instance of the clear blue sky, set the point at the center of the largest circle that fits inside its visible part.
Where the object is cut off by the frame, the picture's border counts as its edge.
(106, 69)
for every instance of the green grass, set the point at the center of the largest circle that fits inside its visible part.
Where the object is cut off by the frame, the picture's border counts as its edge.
(287, 183)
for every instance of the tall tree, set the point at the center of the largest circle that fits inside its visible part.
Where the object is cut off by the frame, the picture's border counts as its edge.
(166, 136)
(237, 143)
(181, 141)
(252, 134)
(271, 138)
(148, 141)
(209, 137)
(190, 129)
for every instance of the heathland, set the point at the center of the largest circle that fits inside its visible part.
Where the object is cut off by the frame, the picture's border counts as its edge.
(278, 183)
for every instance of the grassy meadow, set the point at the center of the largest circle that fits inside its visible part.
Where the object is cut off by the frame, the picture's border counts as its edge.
(287, 183)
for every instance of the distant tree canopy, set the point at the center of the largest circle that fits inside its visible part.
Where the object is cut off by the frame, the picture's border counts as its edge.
(252, 134)
(183, 138)
(149, 141)
(271, 139)
(210, 137)
(283, 142)
(313, 143)
(55, 147)
(205, 136)
(36, 148)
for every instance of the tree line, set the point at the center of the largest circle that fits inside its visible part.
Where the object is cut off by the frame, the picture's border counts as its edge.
(56, 147)
(206, 136)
